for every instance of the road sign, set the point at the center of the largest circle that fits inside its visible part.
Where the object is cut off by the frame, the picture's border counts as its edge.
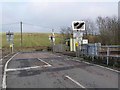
(78, 25)
(85, 41)
(10, 37)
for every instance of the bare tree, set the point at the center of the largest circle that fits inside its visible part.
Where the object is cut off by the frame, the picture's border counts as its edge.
(108, 27)
(91, 28)
(66, 33)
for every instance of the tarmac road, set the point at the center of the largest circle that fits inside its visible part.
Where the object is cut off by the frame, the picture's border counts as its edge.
(47, 70)
(0, 69)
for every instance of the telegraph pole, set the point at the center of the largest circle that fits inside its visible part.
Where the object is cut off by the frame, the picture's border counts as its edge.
(21, 32)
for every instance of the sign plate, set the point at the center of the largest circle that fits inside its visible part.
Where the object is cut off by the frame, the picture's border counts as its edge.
(85, 41)
(78, 25)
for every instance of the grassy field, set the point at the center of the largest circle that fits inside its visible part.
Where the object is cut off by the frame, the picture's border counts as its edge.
(30, 40)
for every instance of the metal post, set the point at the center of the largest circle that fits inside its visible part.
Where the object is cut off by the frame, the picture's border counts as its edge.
(108, 55)
(21, 32)
(10, 37)
(77, 51)
(53, 43)
(79, 41)
(12, 48)
(93, 53)
(52, 47)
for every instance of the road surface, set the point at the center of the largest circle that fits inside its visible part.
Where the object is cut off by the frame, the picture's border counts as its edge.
(0, 69)
(47, 70)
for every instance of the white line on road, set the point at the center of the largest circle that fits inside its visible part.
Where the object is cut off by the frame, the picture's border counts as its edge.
(44, 62)
(102, 67)
(99, 66)
(107, 68)
(75, 82)
(26, 68)
(5, 68)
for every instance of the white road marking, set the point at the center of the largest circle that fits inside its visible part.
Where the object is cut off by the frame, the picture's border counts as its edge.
(99, 66)
(107, 68)
(102, 67)
(5, 68)
(26, 68)
(44, 62)
(75, 82)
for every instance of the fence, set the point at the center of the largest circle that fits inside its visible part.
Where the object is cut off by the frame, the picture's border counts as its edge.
(60, 48)
(109, 54)
(96, 53)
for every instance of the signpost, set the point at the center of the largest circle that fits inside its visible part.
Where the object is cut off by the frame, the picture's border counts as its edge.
(52, 40)
(10, 37)
(78, 28)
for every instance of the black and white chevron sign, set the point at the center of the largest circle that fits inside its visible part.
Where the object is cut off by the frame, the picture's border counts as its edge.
(78, 25)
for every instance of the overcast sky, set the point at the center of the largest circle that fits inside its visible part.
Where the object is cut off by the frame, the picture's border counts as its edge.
(42, 16)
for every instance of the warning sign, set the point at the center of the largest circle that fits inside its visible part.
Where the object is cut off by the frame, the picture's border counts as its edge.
(78, 25)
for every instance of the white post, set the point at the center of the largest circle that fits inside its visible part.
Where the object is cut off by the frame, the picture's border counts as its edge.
(74, 47)
(71, 44)
(53, 35)
(53, 40)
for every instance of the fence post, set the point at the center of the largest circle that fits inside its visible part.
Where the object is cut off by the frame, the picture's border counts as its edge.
(108, 53)
(94, 46)
(77, 51)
